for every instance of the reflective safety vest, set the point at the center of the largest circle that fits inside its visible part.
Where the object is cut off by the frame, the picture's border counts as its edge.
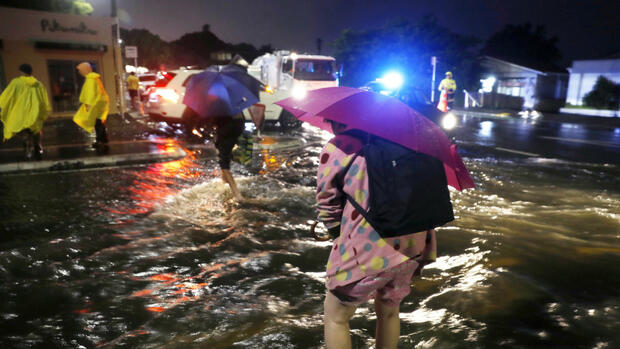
(447, 84)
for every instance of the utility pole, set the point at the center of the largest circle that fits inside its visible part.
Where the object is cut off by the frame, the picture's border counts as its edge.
(118, 57)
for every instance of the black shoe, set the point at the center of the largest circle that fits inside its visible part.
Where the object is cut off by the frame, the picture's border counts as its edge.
(102, 149)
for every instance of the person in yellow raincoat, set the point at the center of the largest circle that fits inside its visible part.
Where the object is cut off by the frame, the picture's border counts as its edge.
(95, 103)
(24, 107)
(448, 86)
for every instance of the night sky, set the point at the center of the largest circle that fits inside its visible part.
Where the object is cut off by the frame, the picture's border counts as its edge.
(585, 28)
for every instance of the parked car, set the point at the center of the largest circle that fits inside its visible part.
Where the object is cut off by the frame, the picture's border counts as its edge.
(165, 101)
(146, 82)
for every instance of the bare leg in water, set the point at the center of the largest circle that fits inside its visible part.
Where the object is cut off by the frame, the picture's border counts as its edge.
(227, 177)
(336, 324)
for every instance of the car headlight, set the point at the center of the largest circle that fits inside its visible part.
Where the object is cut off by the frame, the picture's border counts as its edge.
(448, 121)
(299, 92)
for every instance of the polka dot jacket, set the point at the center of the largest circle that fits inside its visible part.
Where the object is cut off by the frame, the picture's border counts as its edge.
(359, 251)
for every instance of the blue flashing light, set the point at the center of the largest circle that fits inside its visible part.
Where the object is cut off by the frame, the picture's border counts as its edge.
(393, 80)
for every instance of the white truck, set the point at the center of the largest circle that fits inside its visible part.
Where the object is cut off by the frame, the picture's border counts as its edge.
(288, 74)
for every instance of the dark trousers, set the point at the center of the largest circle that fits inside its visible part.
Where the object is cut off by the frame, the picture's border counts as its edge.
(32, 143)
(101, 133)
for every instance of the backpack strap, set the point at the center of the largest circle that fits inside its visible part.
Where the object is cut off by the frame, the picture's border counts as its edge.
(344, 174)
(358, 207)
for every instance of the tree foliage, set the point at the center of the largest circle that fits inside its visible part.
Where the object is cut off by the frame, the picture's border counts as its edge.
(408, 47)
(197, 48)
(65, 6)
(523, 44)
(152, 50)
(605, 95)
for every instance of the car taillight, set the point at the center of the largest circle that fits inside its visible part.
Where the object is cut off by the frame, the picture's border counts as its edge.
(168, 94)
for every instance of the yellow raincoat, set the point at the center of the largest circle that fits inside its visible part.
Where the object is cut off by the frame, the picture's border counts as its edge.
(93, 94)
(24, 105)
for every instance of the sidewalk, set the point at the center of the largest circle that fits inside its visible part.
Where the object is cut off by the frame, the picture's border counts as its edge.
(551, 117)
(68, 147)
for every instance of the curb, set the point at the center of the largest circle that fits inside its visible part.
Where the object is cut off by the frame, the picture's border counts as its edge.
(90, 162)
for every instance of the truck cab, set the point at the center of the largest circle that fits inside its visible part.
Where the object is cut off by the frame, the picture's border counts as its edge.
(289, 74)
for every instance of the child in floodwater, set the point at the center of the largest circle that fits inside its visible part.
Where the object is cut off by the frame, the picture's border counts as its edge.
(362, 265)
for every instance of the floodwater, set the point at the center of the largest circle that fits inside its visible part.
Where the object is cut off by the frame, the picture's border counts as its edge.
(160, 257)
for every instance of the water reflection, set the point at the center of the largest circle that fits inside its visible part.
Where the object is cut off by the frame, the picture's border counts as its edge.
(486, 129)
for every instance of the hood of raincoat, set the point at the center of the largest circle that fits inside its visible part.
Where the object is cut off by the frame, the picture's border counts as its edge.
(92, 75)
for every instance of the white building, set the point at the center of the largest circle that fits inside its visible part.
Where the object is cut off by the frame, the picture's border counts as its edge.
(583, 76)
(540, 88)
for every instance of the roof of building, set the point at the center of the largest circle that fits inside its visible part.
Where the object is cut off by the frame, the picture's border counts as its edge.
(539, 68)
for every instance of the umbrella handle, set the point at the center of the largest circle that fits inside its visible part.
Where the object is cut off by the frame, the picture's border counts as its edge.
(316, 236)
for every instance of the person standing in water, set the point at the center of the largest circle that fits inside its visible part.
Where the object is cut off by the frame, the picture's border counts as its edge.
(362, 264)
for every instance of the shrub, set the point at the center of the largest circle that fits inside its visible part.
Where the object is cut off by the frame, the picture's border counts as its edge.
(605, 94)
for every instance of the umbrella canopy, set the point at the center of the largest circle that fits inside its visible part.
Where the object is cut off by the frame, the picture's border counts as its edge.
(382, 116)
(221, 91)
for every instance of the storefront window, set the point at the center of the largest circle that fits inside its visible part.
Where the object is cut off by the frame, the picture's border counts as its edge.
(65, 84)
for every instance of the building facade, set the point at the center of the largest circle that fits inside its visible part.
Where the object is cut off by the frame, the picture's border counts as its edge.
(583, 76)
(532, 88)
(54, 44)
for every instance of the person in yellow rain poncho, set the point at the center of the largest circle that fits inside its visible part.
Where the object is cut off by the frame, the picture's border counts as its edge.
(447, 86)
(95, 102)
(24, 107)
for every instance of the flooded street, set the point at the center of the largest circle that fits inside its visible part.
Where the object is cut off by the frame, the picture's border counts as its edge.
(160, 256)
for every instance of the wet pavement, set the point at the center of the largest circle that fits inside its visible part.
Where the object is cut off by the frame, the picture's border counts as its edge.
(159, 255)
(67, 147)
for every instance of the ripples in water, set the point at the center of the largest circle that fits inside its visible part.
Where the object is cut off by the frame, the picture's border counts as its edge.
(162, 256)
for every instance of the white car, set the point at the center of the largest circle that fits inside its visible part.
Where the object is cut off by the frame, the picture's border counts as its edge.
(166, 98)
(165, 101)
(146, 82)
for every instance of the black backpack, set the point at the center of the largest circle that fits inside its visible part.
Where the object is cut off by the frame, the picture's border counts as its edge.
(408, 190)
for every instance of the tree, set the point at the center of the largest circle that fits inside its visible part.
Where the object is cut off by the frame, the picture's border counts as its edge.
(77, 7)
(196, 48)
(523, 44)
(152, 50)
(408, 47)
(605, 95)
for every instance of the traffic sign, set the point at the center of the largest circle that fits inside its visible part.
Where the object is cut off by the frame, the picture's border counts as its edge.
(131, 52)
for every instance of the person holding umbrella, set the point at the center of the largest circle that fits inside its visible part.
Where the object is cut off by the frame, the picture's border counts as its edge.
(217, 97)
(383, 230)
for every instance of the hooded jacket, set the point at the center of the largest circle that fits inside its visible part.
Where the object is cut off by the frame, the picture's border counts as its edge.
(24, 105)
(93, 94)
